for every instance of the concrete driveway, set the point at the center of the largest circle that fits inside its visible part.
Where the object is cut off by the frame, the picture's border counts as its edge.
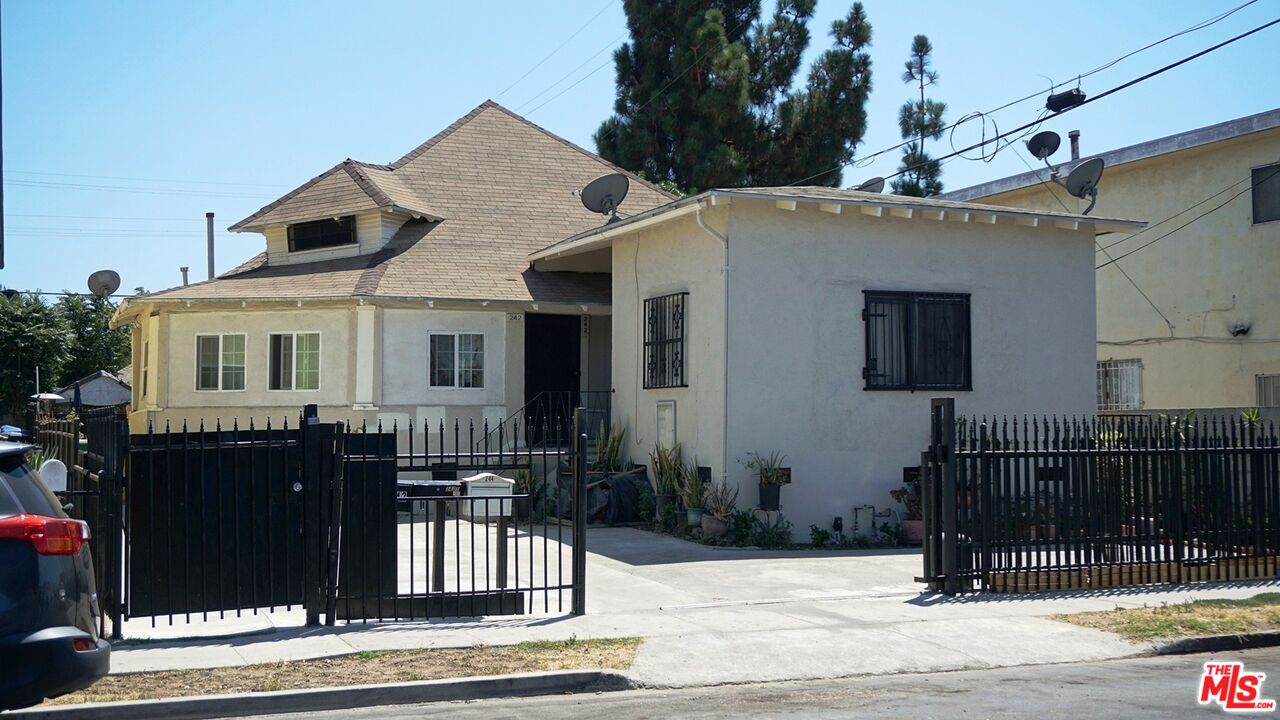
(634, 570)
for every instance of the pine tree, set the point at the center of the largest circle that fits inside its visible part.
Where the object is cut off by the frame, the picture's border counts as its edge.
(705, 98)
(920, 120)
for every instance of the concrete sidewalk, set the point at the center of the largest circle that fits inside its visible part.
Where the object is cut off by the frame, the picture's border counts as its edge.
(717, 615)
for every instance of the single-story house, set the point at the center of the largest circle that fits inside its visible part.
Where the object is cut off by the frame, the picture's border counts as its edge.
(819, 323)
(394, 293)
(99, 389)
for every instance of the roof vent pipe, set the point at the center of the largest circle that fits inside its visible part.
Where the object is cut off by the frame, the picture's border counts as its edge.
(1075, 144)
(184, 270)
(208, 222)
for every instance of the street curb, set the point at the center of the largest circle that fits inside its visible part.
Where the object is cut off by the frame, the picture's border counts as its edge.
(337, 698)
(1218, 643)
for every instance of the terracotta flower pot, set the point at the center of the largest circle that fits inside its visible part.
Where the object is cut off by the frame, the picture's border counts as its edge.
(913, 532)
(713, 526)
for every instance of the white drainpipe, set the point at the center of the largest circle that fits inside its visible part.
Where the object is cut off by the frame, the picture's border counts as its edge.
(724, 440)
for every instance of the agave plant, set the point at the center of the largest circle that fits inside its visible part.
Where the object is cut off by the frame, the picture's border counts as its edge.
(721, 501)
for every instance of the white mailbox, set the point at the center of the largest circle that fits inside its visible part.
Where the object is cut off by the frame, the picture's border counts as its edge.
(486, 485)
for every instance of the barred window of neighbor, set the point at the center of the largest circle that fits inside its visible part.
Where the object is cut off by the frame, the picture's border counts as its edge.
(664, 326)
(1119, 384)
(1268, 390)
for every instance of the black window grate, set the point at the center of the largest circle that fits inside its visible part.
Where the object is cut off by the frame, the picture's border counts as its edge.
(664, 332)
(917, 341)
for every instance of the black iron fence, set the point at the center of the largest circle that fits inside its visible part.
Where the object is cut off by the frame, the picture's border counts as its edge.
(191, 522)
(1029, 504)
(426, 544)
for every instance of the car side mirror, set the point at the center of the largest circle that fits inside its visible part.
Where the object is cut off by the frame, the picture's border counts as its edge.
(54, 475)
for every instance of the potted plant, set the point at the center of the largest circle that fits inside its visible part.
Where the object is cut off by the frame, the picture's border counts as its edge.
(913, 521)
(666, 467)
(528, 486)
(721, 502)
(772, 477)
(693, 492)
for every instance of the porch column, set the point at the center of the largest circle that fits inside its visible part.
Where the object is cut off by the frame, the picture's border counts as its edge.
(366, 353)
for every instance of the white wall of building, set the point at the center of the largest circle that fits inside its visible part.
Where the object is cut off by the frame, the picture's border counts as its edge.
(796, 341)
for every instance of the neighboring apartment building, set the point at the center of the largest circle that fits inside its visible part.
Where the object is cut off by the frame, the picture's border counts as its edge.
(819, 323)
(1207, 332)
(394, 292)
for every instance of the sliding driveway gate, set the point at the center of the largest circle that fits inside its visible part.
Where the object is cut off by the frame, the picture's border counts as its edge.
(204, 522)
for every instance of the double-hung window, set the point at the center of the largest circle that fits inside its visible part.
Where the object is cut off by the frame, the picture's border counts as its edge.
(219, 362)
(456, 360)
(917, 340)
(294, 361)
(664, 347)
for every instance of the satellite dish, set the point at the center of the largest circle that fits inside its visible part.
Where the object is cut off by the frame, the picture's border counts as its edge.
(874, 185)
(1083, 181)
(604, 194)
(104, 282)
(54, 474)
(1044, 144)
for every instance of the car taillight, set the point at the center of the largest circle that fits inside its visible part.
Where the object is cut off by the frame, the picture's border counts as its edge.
(49, 536)
(83, 644)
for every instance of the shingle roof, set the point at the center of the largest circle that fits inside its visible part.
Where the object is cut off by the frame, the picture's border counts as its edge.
(501, 188)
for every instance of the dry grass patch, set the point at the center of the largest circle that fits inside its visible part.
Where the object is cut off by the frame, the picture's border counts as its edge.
(1198, 617)
(364, 668)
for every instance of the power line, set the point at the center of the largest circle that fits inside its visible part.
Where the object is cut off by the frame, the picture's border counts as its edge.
(865, 160)
(117, 188)
(107, 217)
(559, 47)
(1187, 209)
(1205, 214)
(1095, 98)
(612, 43)
(140, 179)
(570, 87)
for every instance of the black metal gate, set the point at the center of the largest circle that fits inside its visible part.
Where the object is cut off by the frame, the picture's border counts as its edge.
(422, 549)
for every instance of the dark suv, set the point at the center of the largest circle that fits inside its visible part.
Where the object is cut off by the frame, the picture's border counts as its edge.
(49, 642)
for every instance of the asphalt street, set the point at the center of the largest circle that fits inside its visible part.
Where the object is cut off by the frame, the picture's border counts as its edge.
(1146, 687)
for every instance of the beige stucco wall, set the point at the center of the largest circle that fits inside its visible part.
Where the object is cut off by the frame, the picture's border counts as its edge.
(673, 257)
(1212, 274)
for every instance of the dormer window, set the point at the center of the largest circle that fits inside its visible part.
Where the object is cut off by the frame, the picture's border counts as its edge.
(322, 234)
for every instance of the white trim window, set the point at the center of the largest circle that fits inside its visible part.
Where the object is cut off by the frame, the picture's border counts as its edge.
(1268, 390)
(456, 360)
(1119, 384)
(220, 362)
(293, 361)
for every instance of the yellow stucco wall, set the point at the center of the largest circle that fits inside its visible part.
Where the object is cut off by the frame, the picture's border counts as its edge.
(1216, 273)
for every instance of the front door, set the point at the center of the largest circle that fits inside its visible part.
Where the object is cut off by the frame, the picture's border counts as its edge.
(552, 368)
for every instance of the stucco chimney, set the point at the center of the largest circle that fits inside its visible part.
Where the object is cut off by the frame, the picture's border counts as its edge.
(1075, 144)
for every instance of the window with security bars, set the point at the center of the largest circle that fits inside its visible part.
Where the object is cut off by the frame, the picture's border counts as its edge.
(1119, 384)
(1268, 390)
(917, 340)
(664, 333)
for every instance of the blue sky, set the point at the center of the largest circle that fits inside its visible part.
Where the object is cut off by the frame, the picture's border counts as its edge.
(125, 122)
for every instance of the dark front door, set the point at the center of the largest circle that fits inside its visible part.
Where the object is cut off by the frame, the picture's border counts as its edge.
(552, 368)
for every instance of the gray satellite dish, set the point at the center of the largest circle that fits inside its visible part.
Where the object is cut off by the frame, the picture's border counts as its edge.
(874, 185)
(604, 194)
(1044, 144)
(104, 282)
(1082, 182)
